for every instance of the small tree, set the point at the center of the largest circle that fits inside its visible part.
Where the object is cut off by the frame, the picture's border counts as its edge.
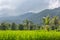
(3, 26)
(8, 26)
(14, 26)
(26, 22)
(21, 27)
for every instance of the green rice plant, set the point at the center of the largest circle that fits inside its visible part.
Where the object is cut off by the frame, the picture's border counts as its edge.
(29, 35)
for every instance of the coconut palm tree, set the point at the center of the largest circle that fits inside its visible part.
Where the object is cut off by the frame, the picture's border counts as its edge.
(54, 22)
(46, 22)
(27, 24)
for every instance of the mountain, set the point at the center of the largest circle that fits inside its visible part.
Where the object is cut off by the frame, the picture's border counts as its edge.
(16, 19)
(37, 18)
(34, 17)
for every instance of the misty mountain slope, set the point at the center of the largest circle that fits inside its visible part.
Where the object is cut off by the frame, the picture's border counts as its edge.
(36, 18)
(16, 19)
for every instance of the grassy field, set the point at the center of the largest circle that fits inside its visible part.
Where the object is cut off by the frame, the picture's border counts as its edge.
(29, 35)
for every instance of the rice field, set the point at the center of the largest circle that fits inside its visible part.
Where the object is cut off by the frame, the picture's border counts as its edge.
(29, 35)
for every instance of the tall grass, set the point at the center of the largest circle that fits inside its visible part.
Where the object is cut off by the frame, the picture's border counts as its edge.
(29, 35)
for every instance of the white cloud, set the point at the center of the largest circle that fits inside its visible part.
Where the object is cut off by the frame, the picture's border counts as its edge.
(54, 4)
(17, 7)
(9, 6)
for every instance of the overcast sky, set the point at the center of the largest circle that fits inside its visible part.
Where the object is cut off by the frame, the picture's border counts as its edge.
(18, 7)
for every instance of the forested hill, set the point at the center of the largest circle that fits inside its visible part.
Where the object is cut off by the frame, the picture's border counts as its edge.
(36, 18)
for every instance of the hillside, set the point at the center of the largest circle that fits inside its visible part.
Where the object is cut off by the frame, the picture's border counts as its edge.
(36, 18)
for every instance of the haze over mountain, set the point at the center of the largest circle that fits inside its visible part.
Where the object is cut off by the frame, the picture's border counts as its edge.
(34, 10)
(34, 17)
(19, 7)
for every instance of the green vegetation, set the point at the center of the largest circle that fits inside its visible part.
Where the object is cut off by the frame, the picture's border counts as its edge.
(29, 35)
(49, 30)
(48, 23)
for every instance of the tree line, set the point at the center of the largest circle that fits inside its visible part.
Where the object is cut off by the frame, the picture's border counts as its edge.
(48, 23)
(27, 25)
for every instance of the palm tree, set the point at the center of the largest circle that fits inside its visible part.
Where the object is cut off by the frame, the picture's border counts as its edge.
(46, 22)
(27, 24)
(54, 22)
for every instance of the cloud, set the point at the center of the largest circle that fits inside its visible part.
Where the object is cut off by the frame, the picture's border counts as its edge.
(33, 5)
(9, 6)
(19, 7)
(54, 4)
